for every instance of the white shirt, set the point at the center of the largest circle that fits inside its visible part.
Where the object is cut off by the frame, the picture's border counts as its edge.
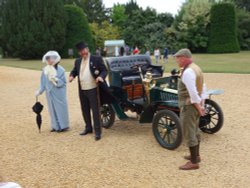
(116, 51)
(86, 79)
(189, 79)
(157, 52)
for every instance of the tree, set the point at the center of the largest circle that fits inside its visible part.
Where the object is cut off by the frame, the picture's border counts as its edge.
(145, 28)
(30, 28)
(165, 18)
(223, 35)
(93, 9)
(118, 15)
(154, 35)
(130, 7)
(105, 31)
(77, 29)
(243, 4)
(190, 27)
(243, 29)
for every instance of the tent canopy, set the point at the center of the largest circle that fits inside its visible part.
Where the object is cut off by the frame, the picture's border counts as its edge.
(111, 43)
(113, 47)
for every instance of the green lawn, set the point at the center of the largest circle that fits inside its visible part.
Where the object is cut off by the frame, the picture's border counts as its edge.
(219, 63)
(216, 63)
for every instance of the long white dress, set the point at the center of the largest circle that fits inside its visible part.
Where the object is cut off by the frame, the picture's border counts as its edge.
(56, 98)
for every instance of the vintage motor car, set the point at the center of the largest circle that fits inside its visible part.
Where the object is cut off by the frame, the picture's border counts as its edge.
(138, 86)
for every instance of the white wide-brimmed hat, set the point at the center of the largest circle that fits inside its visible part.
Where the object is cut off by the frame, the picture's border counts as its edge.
(51, 54)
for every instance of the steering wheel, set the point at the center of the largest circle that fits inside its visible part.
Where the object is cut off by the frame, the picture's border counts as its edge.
(136, 67)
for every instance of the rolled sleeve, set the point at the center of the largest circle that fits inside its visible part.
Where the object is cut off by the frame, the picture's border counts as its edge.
(189, 79)
(204, 94)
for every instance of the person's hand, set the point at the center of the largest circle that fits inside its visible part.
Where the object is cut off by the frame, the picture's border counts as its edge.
(37, 93)
(202, 111)
(99, 79)
(71, 78)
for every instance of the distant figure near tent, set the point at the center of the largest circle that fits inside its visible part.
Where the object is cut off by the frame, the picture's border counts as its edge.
(53, 81)
(136, 51)
(147, 52)
(116, 51)
(165, 56)
(122, 51)
(157, 55)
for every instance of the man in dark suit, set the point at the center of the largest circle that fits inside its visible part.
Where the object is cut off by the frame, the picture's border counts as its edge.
(91, 73)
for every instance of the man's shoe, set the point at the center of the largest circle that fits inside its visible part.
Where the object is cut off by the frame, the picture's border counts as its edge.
(189, 166)
(97, 138)
(188, 157)
(52, 130)
(85, 132)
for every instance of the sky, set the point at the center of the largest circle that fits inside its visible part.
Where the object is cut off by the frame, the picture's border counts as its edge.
(161, 6)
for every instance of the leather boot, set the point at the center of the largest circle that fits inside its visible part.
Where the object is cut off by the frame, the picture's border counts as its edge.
(193, 164)
(188, 157)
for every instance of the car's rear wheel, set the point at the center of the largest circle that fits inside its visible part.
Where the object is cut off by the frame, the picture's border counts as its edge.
(213, 120)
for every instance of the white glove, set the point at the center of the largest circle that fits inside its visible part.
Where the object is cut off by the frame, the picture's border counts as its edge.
(37, 93)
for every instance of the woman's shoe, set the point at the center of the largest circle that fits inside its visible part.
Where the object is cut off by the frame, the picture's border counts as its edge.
(63, 130)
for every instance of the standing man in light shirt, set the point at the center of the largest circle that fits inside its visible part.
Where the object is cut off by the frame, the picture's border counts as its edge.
(157, 55)
(91, 73)
(191, 97)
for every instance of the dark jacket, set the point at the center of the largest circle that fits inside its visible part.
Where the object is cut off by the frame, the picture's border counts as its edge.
(97, 68)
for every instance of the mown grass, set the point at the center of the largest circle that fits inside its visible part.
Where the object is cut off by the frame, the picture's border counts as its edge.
(219, 63)
(210, 63)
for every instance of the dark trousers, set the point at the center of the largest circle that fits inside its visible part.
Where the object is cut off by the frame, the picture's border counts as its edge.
(88, 99)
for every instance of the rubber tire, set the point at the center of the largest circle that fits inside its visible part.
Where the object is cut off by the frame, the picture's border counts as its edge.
(220, 118)
(111, 120)
(156, 133)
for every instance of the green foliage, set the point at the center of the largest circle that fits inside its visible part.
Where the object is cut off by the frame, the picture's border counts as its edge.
(30, 28)
(223, 35)
(130, 7)
(190, 28)
(93, 9)
(244, 29)
(154, 36)
(103, 32)
(243, 4)
(145, 28)
(77, 29)
(166, 19)
(118, 15)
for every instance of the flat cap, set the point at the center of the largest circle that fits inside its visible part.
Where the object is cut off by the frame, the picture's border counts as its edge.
(183, 53)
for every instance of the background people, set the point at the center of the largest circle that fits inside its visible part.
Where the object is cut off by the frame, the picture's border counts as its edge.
(157, 55)
(165, 56)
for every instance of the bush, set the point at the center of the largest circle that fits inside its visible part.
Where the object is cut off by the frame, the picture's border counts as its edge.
(30, 28)
(77, 29)
(223, 33)
(244, 29)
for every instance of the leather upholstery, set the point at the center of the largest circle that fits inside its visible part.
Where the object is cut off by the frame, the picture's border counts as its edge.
(128, 75)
